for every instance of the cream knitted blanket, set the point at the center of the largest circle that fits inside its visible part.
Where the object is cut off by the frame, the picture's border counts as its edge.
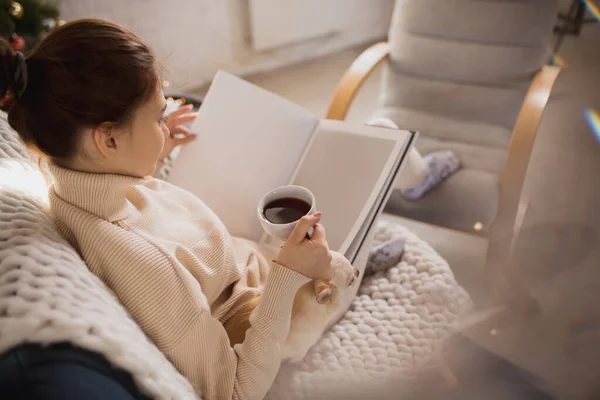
(47, 295)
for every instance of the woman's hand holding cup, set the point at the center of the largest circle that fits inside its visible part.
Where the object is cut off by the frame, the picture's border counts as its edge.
(309, 257)
(289, 214)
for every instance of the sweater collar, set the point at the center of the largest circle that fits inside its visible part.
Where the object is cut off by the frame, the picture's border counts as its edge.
(100, 194)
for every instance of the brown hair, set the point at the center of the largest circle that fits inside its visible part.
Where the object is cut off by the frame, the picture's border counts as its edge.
(82, 74)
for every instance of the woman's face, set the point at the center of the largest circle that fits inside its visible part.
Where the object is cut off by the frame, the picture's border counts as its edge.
(141, 141)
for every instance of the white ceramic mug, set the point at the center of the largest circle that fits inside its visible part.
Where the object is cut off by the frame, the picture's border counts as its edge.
(283, 231)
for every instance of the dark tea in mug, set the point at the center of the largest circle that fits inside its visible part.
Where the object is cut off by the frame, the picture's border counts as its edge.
(285, 210)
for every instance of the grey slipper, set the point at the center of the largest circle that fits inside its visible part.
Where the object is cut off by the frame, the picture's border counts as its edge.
(440, 165)
(385, 255)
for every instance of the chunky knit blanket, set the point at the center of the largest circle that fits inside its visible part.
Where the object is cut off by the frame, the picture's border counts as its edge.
(47, 295)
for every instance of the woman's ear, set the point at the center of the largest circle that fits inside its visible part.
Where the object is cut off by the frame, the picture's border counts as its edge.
(105, 139)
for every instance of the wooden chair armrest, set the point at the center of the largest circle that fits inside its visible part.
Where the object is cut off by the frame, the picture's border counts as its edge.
(520, 148)
(353, 79)
(504, 232)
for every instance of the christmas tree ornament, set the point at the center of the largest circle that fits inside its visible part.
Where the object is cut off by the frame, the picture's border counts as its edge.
(17, 43)
(16, 10)
(49, 24)
(24, 23)
(5, 101)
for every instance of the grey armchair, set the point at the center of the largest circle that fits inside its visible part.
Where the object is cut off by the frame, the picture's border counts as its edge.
(470, 77)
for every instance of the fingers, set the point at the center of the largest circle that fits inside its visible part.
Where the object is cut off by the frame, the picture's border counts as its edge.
(181, 110)
(183, 130)
(183, 118)
(302, 227)
(182, 135)
(318, 239)
(319, 234)
(179, 141)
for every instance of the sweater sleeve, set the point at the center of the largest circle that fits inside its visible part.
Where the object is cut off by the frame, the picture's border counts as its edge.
(247, 371)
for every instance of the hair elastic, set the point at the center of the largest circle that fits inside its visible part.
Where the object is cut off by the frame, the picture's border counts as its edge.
(20, 77)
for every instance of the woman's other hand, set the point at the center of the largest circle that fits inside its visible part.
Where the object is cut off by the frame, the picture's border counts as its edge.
(180, 134)
(309, 257)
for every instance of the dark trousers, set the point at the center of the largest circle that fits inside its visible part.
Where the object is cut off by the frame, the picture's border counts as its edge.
(62, 371)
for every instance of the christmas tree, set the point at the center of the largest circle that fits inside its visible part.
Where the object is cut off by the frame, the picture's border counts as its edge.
(26, 22)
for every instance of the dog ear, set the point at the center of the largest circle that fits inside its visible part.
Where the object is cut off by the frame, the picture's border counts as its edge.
(323, 292)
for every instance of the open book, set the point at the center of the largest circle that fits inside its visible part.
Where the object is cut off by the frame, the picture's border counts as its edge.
(251, 141)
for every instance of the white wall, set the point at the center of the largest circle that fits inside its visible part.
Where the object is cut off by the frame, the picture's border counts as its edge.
(194, 38)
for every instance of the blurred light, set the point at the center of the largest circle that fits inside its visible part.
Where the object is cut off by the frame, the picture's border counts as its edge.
(181, 101)
(61, 22)
(16, 10)
(593, 9)
(593, 119)
(169, 99)
(17, 176)
(165, 83)
(478, 226)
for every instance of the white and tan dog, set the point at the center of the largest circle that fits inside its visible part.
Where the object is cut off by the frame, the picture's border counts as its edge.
(314, 304)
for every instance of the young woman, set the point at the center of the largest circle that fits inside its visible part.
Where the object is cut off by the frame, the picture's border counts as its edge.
(89, 99)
